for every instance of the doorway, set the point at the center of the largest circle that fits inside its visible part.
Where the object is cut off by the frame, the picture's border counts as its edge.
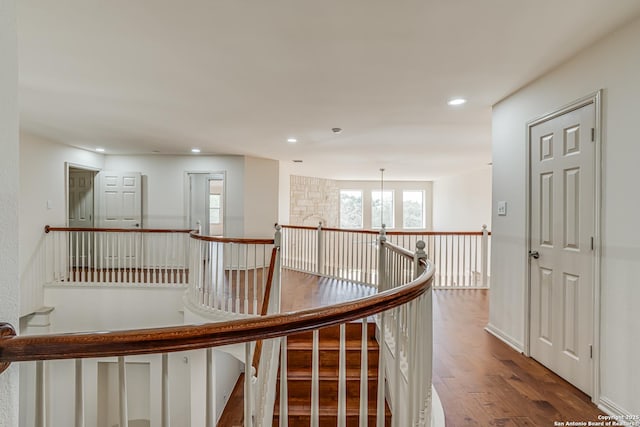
(563, 217)
(206, 204)
(80, 192)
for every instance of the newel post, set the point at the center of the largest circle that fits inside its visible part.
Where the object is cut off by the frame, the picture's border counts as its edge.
(277, 276)
(484, 258)
(419, 255)
(320, 257)
(382, 260)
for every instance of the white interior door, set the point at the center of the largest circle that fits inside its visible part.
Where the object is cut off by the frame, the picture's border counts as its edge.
(80, 215)
(562, 219)
(119, 205)
(119, 199)
(80, 198)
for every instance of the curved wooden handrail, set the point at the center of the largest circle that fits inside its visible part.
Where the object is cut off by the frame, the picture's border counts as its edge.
(195, 235)
(391, 233)
(192, 337)
(399, 250)
(48, 229)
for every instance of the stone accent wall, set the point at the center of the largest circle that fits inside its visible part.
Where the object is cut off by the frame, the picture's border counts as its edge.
(314, 200)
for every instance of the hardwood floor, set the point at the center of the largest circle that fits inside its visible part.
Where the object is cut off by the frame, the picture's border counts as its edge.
(483, 382)
(480, 380)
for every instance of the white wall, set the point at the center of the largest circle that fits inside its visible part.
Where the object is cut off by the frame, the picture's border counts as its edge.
(284, 191)
(164, 200)
(9, 173)
(261, 188)
(612, 64)
(43, 196)
(462, 202)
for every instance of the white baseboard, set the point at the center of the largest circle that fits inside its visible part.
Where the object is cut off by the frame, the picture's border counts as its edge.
(611, 408)
(506, 338)
(437, 411)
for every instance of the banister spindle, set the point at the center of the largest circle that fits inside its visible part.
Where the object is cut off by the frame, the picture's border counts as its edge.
(284, 393)
(320, 259)
(79, 395)
(41, 410)
(210, 392)
(342, 379)
(122, 392)
(485, 255)
(315, 379)
(164, 419)
(364, 374)
(248, 389)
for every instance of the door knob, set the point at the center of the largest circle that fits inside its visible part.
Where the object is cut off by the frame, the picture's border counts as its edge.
(534, 254)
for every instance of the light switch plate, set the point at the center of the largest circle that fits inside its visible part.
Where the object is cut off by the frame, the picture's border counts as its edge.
(502, 208)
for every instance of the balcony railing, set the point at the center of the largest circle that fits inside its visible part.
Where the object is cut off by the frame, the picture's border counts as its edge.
(401, 311)
(461, 259)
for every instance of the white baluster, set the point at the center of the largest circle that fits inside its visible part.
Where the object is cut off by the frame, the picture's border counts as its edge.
(122, 392)
(364, 374)
(380, 404)
(342, 379)
(485, 255)
(315, 380)
(284, 392)
(41, 411)
(210, 393)
(165, 420)
(248, 389)
(79, 395)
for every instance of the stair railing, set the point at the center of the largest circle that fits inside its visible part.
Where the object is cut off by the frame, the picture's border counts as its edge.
(229, 275)
(403, 314)
(461, 258)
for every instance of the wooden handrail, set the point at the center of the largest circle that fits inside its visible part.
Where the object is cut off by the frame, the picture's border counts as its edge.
(399, 250)
(48, 229)
(391, 233)
(195, 235)
(192, 337)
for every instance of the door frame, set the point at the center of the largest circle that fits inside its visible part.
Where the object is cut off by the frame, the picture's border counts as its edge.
(594, 98)
(70, 165)
(187, 195)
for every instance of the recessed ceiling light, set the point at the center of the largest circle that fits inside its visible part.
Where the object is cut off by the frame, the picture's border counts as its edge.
(457, 101)
(336, 130)
(297, 161)
(292, 140)
(195, 150)
(100, 150)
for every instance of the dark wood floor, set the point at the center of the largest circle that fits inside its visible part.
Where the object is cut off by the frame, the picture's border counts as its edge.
(480, 380)
(483, 382)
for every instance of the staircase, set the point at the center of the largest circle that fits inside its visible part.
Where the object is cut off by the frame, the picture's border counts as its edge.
(299, 357)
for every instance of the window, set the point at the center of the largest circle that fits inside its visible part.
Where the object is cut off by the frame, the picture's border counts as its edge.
(382, 203)
(413, 209)
(350, 209)
(215, 205)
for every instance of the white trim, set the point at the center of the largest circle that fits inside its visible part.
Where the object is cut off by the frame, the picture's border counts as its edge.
(504, 337)
(594, 98)
(606, 405)
(437, 411)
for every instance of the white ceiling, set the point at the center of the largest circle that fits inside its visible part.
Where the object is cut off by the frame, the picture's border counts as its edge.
(241, 76)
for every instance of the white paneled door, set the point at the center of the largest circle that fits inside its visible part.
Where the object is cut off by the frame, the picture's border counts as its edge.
(119, 205)
(119, 199)
(562, 221)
